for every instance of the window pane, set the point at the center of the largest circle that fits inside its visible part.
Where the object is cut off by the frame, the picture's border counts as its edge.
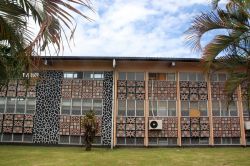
(86, 106)
(171, 108)
(184, 108)
(200, 77)
(98, 75)
(192, 76)
(121, 107)
(97, 106)
(31, 105)
(170, 76)
(152, 108)
(20, 107)
(183, 76)
(140, 76)
(233, 109)
(2, 105)
(76, 107)
(122, 76)
(216, 108)
(152, 76)
(130, 76)
(203, 108)
(224, 111)
(66, 104)
(139, 108)
(10, 107)
(68, 75)
(214, 77)
(88, 75)
(77, 75)
(193, 105)
(162, 108)
(222, 77)
(130, 107)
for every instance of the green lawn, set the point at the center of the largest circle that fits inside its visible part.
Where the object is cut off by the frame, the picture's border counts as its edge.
(38, 155)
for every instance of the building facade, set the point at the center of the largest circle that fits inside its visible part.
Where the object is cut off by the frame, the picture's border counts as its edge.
(128, 96)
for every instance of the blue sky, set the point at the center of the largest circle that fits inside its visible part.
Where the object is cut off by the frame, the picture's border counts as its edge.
(136, 28)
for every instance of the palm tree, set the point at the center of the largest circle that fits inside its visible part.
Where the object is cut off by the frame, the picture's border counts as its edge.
(89, 124)
(229, 50)
(54, 17)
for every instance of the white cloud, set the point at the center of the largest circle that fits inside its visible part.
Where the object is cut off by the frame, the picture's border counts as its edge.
(135, 28)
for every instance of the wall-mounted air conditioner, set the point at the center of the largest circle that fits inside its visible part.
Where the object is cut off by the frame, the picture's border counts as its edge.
(155, 124)
(247, 125)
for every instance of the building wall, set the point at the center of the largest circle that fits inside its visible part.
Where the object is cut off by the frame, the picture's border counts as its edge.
(136, 91)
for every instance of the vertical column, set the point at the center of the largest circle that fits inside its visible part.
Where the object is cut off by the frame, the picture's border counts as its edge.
(210, 114)
(178, 109)
(240, 110)
(107, 108)
(115, 107)
(46, 118)
(146, 109)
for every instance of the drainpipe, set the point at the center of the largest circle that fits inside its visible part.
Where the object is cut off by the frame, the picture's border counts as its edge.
(113, 105)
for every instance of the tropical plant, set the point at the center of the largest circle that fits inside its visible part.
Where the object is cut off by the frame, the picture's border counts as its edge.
(89, 124)
(229, 49)
(54, 20)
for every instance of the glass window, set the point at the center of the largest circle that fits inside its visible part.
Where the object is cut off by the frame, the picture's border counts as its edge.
(11, 103)
(222, 77)
(66, 104)
(216, 108)
(152, 108)
(77, 75)
(192, 76)
(86, 105)
(88, 75)
(162, 108)
(122, 76)
(184, 108)
(130, 107)
(200, 77)
(214, 77)
(233, 109)
(224, 110)
(31, 105)
(130, 76)
(171, 108)
(2, 105)
(203, 108)
(139, 108)
(98, 75)
(152, 76)
(97, 106)
(139, 76)
(183, 76)
(68, 75)
(170, 76)
(76, 107)
(245, 109)
(193, 105)
(121, 107)
(20, 106)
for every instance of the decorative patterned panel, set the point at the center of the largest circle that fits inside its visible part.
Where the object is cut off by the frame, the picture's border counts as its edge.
(8, 123)
(226, 126)
(169, 125)
(107, 108)
(31, 90)
(46, 118)
(134, 90)
(66, 88)
(130, 127)
(12, 88)
(193, 91)
(195, 127)
(21, 88)
(162, 90)
(218, 91)
(77, 88)
(3, 89)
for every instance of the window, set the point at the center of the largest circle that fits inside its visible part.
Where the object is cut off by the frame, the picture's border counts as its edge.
(31, 105)
(162, 141)
(218, 77)
(138, 76)
(66, 106)
(2, 104)
(226, 141)
(87, 75)
(162, 76)
(192, 76)
(220, 108)
(186, 106)
(162, 108)
(20, 105)
(76, 107)
(86, 105)
(130, 108)
(246, 111)
(97, 106)
(11, 103)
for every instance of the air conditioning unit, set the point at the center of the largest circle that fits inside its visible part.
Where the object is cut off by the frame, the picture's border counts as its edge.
(155, 124)
(247, 125)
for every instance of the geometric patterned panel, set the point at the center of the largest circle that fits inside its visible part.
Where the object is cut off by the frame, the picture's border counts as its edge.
(130, 127)
(3, 89)
(169, 127)
(195, 127)
(66, 88)
(218, 91)
(12, 88)
(77, 88)
(129, 89)
(226, 126)
(193, 91)
(162, 90)
(8, 123)
(48, 98)
(31, 89)
(21, 89)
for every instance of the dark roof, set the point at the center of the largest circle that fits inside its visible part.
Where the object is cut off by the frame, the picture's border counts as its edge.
(119, 58)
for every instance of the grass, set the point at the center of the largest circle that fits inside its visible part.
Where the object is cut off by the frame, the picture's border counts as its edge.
(67, 156)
